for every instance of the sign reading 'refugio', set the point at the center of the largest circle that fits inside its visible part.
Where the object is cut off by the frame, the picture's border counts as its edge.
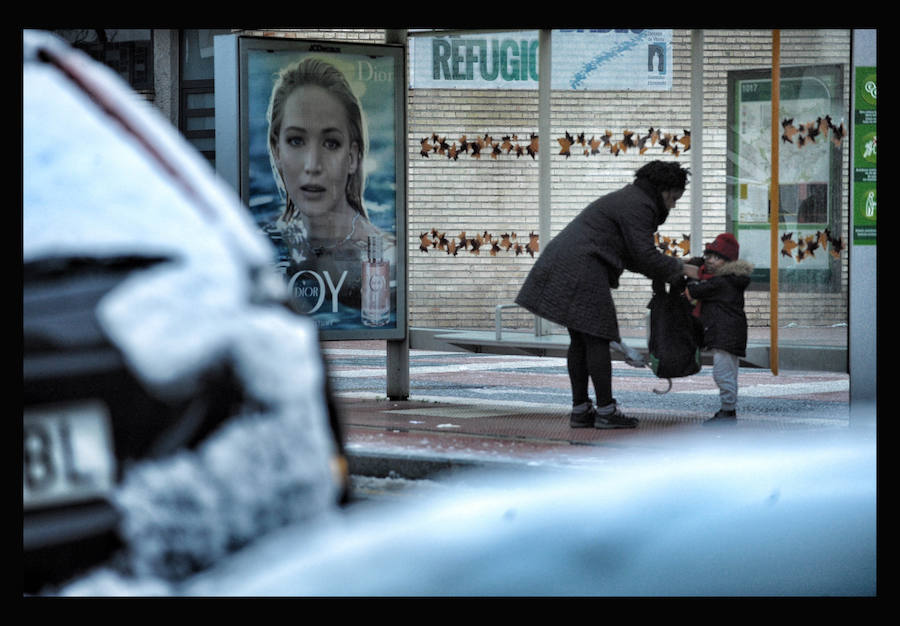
(583, 60)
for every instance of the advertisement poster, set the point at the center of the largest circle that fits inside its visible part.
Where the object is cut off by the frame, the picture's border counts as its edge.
(630, 59)
(812, 129)
(321, 140)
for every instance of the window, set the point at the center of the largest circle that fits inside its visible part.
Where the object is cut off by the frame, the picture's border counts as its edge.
(128, 51)
(813, 130)
(197, 119)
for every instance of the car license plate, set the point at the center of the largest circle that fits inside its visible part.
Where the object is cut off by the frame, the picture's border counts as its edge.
(67, 454)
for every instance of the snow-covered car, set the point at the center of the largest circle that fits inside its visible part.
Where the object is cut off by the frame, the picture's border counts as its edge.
(174, 406)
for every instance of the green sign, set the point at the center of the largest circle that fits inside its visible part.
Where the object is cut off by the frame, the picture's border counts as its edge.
(865, 167)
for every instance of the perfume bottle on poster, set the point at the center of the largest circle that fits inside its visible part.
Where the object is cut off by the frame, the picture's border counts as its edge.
(376, 285)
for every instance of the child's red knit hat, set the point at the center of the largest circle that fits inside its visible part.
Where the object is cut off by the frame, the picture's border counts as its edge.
(725, 245)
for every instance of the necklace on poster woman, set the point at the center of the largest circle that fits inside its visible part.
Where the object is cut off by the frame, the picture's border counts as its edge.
(320, 250)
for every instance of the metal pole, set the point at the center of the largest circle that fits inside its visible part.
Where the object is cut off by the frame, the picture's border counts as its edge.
(397, 357)
(544, 152)
(696, 142)
(774, 209)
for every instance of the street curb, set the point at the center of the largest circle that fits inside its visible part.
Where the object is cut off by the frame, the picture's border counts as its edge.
(412, 466)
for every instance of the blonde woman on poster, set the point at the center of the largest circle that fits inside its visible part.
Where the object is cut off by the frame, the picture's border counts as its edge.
(317, 142)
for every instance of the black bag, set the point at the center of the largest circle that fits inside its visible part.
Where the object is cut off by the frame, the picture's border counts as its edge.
(676, 336)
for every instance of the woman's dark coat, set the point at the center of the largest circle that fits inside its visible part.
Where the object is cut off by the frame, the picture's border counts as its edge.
(571, 280)
(722, 313)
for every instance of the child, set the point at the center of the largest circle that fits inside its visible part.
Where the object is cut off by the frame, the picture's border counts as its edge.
(719, 293)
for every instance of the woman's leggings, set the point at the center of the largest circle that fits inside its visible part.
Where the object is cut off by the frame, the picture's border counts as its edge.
(588, 357)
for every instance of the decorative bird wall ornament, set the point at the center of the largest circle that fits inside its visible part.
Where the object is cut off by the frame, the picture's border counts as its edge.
(806, 247)
(508, 242)
(532, 148)
(511, 144)
(671, 246)
(800, 249)
(803, 134)
(612, 143)
(566, 144)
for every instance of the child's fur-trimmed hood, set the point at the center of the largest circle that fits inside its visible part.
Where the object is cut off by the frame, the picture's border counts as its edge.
(737, 268)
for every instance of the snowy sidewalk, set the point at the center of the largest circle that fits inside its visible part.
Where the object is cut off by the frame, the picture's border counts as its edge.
(469, 408)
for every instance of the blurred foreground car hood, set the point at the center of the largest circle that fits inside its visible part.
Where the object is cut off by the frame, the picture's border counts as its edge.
(104, 175)
(781, 514)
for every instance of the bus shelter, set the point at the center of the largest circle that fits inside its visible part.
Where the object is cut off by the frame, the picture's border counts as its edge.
(778, 129)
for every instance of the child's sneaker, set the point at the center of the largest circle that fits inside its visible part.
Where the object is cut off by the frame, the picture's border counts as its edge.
(722, 418)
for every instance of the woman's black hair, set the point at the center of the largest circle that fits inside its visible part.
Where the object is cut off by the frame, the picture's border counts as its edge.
(664, 175)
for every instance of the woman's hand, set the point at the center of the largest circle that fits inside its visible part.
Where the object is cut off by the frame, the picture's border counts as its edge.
(691, 271)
